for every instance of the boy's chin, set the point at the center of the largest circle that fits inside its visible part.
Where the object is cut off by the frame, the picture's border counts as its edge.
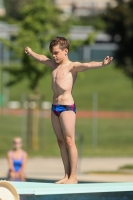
(57, 61)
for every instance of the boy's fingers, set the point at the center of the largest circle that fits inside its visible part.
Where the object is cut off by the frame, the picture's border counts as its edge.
(26, 50)
(107, 57)
(111, 58)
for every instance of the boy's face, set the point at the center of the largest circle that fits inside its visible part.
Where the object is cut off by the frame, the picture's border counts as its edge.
(59, 54)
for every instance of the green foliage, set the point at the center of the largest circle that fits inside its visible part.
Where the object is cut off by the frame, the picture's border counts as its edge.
(129, 167)
(119, 22)
(78, 43)
(13, 8)
(96, 21)
(41, 22)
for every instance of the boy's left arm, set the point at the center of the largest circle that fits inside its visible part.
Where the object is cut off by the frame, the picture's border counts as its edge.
(79, 67)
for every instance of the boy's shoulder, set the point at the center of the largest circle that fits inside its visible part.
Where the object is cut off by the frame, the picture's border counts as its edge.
(75, 64)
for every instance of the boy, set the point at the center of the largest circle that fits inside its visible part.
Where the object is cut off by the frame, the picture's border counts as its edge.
(64, 74)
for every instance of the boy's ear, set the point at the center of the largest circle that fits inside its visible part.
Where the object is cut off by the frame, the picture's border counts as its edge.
(66, 51)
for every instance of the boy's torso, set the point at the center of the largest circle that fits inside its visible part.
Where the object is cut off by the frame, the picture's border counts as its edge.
(63, 79)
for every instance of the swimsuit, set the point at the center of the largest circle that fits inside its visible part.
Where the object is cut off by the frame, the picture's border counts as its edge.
(17, 163)
(58, 109)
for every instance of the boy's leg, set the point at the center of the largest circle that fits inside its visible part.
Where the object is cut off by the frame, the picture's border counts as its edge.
(62, 145)
(67, 121)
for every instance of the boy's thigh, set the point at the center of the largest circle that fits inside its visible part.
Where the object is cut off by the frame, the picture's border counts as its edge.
(67, 121)
(56, 125)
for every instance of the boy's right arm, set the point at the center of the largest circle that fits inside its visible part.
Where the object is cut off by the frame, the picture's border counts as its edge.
(40, 58)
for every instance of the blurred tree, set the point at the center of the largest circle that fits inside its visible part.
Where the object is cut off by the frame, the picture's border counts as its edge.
(41, 22)
(13, 8)
(119, 22)
(91, 20)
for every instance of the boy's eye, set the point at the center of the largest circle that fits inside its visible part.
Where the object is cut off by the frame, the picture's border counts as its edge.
(55, 53)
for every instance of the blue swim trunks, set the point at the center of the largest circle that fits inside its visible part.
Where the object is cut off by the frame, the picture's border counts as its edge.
(58, 109)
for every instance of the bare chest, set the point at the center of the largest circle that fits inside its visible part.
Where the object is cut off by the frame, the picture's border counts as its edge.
(62, 75)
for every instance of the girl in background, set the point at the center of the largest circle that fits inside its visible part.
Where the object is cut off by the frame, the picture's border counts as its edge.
(17, 159)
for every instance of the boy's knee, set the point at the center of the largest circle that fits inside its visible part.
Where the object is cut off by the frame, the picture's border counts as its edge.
(61, 142)
(69, 142)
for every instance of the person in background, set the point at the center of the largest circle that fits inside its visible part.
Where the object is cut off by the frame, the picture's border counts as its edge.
(17, 159)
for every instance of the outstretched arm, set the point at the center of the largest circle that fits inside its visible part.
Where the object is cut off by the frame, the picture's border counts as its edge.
(38, 57)
(79, 67)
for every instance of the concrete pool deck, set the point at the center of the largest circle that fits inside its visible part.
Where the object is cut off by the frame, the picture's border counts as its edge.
(52, 169)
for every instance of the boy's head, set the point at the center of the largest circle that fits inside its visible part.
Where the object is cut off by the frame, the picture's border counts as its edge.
(62, 42)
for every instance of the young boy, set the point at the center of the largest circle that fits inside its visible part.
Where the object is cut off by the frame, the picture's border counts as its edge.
(64, 74)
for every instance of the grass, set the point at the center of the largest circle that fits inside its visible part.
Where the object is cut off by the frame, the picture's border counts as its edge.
(126, 167)
(114, 137)
(114, 89)
(117, 172)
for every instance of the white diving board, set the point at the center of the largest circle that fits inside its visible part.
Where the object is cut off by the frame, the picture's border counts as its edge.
(21, 189)
(52, 188)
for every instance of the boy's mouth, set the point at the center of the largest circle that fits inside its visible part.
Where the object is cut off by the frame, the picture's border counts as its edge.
(56, 60)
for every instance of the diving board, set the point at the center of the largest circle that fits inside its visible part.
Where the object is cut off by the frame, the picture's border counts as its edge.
(51, 188)
(32, 188)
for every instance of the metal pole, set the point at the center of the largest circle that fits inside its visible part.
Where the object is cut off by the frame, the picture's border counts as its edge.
(94, 120)
(23, 120)
(35, 128)
(6, 78)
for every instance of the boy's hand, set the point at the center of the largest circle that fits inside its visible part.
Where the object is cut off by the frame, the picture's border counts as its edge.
(28, 50)
(107, 60)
